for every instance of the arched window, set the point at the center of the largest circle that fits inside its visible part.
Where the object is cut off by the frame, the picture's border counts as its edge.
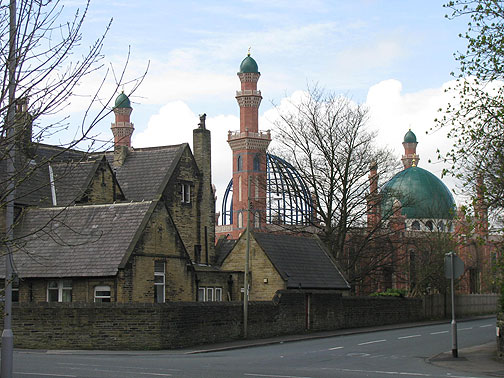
(240, 220)
(441, 226)
(239, 163)
(415, 225)
(429, 225)
(257, 162)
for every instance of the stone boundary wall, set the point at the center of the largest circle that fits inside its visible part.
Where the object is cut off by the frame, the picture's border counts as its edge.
(439, 306)
(175, 325)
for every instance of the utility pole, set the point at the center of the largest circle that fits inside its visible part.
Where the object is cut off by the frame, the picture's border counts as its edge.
(453, 322)
(247, 256)
(7, 335)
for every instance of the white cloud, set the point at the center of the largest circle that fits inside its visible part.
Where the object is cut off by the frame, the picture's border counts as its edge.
(174, 124)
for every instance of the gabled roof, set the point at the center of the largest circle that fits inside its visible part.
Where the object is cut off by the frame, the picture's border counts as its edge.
(32, 171)
(146, 171)
(301, 261)
(223, 248)
(78, 241)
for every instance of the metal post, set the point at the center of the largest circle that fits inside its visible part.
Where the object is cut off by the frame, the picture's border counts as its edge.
(247, 255)
(7, 335)
(453, 322)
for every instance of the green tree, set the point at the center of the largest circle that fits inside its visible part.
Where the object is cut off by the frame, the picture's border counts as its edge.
(475, 115)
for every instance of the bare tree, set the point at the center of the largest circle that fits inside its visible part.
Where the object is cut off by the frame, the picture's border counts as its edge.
(326, 139)
(49, 65)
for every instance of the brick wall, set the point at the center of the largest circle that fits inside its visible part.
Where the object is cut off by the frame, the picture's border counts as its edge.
(180, 324)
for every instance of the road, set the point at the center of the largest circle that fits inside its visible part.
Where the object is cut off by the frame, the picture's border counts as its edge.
(392, 353)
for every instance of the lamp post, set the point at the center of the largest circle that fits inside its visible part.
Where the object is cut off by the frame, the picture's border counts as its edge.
(7, 335)
(247, 256)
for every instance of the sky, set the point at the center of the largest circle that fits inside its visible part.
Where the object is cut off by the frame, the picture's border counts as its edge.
(394, 56)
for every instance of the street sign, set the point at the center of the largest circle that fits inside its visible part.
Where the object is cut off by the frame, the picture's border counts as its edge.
(458, 264)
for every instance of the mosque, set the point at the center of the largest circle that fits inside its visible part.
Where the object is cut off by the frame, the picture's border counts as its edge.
(409, 209)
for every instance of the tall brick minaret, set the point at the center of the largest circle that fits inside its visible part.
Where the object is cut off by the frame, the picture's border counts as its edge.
(122, 128)
(249, 147)
(410, 157)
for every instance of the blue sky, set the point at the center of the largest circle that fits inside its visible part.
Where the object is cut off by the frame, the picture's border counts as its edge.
(394, 55)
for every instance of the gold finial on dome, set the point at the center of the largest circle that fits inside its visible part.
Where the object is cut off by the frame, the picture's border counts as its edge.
(248, 52)
(413, 163)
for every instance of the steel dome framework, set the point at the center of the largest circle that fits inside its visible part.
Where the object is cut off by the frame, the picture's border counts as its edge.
(288, 200)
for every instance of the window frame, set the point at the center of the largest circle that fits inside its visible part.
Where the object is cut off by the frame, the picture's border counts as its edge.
(63, 286)
(162, 274)
(185, 192)
(100, 298)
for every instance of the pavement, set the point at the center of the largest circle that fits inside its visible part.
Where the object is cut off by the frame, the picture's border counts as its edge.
(480, 360)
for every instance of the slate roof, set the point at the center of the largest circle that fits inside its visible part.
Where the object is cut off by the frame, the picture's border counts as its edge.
(146, 171)
(72, 179)
(301, 261)
(222, 249)
(78, 241)
(33, 172)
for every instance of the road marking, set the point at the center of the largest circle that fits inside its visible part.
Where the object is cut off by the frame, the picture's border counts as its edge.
(438, 333)
(408, 337)
(401, 373)
(373, 342)
(487, 325)
(49, 375)
(273, 376)
(465, 329)
(335, 348)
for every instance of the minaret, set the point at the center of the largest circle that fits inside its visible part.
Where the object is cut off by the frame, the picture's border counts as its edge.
(122, 128)
(373, 200)
(249, 147)
(410, 157)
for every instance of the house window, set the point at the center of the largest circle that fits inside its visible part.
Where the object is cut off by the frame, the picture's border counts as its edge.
(185, 193)
(218, 294)
(159, 281)
(59, 291)
(201, 294)
(210, 294)
(102, 294)
(15, 290)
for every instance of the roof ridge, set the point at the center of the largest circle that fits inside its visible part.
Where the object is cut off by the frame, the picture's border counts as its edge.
(94, 206)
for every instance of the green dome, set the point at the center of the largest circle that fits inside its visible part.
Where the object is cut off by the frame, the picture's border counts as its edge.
(122, 101)
(248, 65)
(422, 195)
(410, 137)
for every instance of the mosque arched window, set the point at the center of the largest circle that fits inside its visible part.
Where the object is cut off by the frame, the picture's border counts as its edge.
(240, 220)
(415, 225)
(257, 162)
(441, 226)
(429, 225)
(239, 163)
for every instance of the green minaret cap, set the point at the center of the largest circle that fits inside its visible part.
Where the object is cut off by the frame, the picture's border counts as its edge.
(122, 101)
(248, 65)
(410, 137)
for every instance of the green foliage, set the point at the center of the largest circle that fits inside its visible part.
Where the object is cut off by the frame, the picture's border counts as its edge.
(475, 116)
(390, 293)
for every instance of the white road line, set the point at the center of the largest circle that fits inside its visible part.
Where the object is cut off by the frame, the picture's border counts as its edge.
(335, 348)
(465, 329)
(49, 375)
(372, 342)
(408, 337)
(273, 376)
(487, 325)
(400, 373)
(438, 333)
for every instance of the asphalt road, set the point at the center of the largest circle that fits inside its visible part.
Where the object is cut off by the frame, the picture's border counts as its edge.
(391, 353)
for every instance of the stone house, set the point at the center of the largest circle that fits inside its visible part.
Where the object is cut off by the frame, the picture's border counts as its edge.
(283, 262)
(129, 225)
